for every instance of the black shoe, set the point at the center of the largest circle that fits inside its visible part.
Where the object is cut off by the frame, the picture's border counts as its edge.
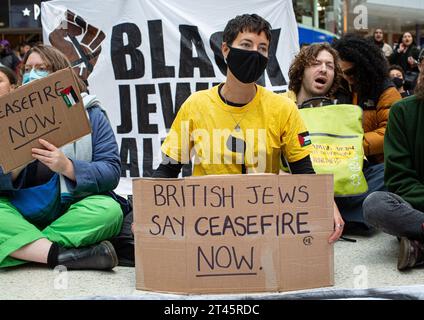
(411, 253)
(101, 256)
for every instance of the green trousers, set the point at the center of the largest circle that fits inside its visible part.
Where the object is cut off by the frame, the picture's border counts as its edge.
(86, 222)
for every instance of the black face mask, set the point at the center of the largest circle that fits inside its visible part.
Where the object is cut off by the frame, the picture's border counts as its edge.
(398, 82)
(246, 65)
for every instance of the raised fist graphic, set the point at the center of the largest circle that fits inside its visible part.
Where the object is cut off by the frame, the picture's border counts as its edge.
(79, 41)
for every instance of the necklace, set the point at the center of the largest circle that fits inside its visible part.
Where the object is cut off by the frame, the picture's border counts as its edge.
(237, 127)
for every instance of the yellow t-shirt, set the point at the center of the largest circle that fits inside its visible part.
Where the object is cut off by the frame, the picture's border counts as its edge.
(291, 95)
(206, 128)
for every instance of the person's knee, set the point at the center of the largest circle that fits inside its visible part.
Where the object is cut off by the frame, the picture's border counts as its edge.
(110, 210)
(374, 206)
(104, 211)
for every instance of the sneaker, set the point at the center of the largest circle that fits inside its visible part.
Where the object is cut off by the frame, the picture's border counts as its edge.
(411, 254)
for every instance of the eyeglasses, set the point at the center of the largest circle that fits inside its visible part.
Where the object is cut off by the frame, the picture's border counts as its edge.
(37, 68)
(349, 72)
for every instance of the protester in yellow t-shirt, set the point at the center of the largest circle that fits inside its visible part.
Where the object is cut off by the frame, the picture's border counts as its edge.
(239, 126)
(269, 125)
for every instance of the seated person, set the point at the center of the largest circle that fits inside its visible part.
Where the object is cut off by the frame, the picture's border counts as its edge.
(315, 72)
(397, 75)
(234, 108)
(81, 211)
(365, 72)
(400, 212)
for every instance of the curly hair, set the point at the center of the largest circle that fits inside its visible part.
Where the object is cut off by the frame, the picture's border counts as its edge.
(370, 65)
(305, 58)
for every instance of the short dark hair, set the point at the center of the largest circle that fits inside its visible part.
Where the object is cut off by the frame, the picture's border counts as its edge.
(13, 80)
(243, 23)
(398, 68)
(305, 58)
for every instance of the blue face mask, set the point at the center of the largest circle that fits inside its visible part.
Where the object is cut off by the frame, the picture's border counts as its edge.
(34, 75)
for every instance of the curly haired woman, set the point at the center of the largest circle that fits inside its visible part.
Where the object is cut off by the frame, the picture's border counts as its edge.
(365, 71)
(367, 84)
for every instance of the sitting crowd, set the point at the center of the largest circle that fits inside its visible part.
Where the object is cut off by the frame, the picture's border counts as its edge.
(79, 231)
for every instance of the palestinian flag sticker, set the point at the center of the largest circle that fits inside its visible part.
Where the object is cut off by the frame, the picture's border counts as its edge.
(69, 96)
(304, 139)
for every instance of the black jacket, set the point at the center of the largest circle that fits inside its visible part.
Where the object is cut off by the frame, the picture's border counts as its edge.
(401, 59)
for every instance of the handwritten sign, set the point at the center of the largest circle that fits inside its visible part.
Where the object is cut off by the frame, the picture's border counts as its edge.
(50, 108)
(329, 155)
(237, 233)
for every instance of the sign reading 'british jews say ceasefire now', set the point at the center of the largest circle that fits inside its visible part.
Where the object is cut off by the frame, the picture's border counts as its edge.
(50, 108)
(233, 233)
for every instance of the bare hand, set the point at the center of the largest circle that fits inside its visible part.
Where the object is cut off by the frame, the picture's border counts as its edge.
(54, 159)
(401, 48)
(338, 225)
(412, 61)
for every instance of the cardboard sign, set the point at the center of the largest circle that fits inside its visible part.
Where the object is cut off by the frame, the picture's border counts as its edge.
(233, 233)
(50, 108)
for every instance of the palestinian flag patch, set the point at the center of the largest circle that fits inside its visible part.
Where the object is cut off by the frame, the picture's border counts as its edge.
(304, 139)
(69, 96)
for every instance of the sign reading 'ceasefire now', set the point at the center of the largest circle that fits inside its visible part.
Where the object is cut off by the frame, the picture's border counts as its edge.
(50, 108)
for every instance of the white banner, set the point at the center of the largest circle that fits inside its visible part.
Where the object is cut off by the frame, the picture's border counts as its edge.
(143, 58)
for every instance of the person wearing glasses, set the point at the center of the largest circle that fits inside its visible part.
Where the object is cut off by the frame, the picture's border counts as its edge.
(400, 212)
(60, 209)
(316, 73)
(365, 71)
(366, 83)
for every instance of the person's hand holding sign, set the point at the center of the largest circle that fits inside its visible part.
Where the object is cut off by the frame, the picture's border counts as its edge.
(54, 159)
(82, 53)
(338, 225)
